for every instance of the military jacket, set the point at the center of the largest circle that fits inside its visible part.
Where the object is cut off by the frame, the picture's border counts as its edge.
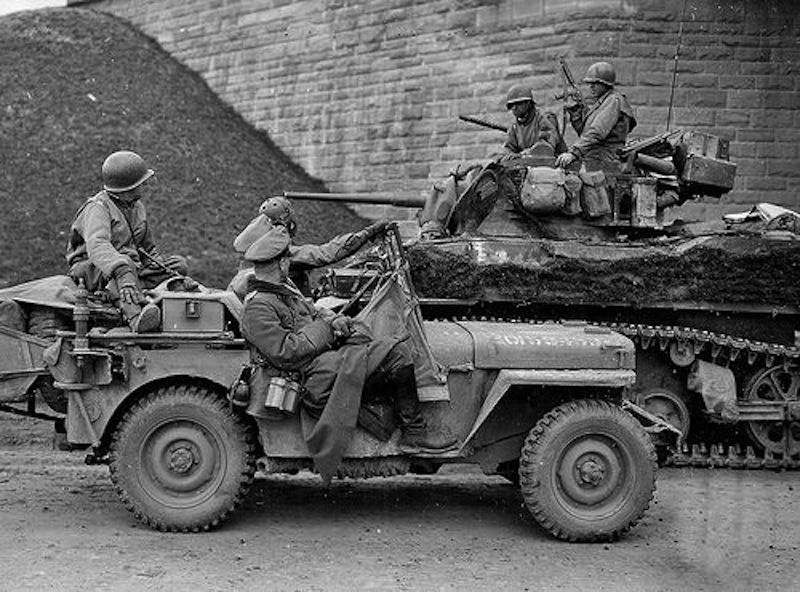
(523, 136)
(107, 232)
(603, 127)
(285, 329)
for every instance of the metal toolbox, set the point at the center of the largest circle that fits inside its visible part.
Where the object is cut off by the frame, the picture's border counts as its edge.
(186, 312)
(711, 173)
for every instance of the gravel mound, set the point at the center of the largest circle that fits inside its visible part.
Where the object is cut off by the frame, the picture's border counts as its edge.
(76, 85)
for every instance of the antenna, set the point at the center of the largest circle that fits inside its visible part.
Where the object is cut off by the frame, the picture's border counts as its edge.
(675, 64)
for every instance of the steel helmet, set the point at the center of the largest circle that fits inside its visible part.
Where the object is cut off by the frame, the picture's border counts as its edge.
(518, 94)
(602, 72)
(124, 171)
(279, 211)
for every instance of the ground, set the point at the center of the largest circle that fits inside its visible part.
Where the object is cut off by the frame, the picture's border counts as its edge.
(459, 530)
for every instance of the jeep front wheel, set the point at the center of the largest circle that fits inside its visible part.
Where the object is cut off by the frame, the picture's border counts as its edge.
(182, 459)
(587, 471)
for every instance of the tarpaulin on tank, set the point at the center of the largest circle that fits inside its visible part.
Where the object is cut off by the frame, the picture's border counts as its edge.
(548, 346)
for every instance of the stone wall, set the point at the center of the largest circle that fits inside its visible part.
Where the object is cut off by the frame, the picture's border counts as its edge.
(365, 94)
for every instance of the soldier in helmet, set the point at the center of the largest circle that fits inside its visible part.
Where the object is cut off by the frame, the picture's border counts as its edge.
(602, 126)
(532, 132)
(110, 244)
(288, 335)
(278, 211)
(530, 124)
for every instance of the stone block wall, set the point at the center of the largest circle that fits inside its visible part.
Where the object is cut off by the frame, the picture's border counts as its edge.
(365, 94)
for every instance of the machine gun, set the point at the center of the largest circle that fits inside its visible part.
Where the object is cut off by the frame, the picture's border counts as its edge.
(483, 123)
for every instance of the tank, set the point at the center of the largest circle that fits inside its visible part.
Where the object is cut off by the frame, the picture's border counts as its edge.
(711, 307)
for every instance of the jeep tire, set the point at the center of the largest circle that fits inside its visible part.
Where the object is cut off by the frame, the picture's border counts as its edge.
(587, 471)
(181, 459)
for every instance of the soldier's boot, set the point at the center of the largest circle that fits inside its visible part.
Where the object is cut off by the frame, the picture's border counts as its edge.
(416, 438)
(142, 319)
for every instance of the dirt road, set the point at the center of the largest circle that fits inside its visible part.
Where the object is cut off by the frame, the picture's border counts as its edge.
(63, 528)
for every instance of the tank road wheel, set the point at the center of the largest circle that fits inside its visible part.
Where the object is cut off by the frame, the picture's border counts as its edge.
(587, 471)
(774, 384)
(668, 406)
(181, 459)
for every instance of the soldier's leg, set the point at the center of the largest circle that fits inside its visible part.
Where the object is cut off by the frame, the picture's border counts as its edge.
(142, 316)
(397, 369)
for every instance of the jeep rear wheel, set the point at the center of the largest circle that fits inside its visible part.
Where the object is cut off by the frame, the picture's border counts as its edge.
(587, 471)
(181, 459)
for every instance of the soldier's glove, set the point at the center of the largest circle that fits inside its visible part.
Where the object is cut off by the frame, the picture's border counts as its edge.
(572, 101)
(342, 326)
(128, 285)
(565, 159)
(376, 229)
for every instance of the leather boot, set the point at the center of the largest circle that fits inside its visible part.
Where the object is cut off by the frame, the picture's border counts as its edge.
(415, 436)
(144, 319)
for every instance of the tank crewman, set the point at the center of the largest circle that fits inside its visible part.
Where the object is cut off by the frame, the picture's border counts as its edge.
(111, 246)
(278, 211)
(530, 124)
(530, 128)
(334, 354)
(602, 126)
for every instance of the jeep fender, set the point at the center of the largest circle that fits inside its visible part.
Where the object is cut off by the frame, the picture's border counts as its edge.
(569, 378)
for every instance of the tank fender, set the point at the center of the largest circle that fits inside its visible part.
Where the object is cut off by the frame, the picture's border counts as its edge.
(575, 378)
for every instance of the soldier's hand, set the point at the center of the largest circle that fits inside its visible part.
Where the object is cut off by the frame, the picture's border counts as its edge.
(128, 286)
(342, 326)
(377, 229)
(572, 101)
(565, 159)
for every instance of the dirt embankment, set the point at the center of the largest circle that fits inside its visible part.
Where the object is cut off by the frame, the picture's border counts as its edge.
(76, 85)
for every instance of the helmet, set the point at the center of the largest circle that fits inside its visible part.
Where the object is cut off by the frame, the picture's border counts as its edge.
(518, 94)
(602, 72)
(279, 211)
(124, 171)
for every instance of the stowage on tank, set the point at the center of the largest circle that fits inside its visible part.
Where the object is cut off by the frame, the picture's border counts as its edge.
(712, 307)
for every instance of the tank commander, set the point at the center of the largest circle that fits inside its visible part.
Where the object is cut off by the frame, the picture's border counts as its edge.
(111, 246)
(602, 126)
(334, 354)
(531, 128)
(278, 211)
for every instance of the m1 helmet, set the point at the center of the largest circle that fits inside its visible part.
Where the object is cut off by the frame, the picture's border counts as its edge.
(519, 93)
(601, 72)
(279, 211)
(124, 171)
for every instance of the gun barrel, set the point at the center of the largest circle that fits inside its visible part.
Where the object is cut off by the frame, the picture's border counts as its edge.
(403, 201)
(482, 123)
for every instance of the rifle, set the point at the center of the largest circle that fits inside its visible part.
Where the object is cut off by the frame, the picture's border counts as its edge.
(571, 90)
(482, 123)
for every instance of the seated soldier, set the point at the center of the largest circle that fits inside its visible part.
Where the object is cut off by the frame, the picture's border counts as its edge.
(111, 247)
(531, 127)
(278, 211)
(289, 336)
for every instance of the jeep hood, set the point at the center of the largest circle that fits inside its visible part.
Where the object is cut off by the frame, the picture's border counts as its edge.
(490, 345)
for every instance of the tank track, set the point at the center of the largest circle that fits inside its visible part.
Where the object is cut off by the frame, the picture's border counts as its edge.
(720, 347)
